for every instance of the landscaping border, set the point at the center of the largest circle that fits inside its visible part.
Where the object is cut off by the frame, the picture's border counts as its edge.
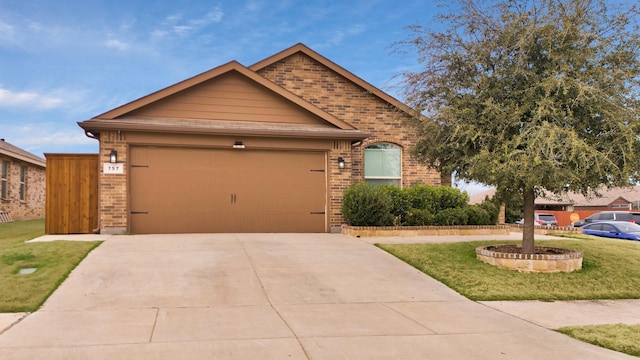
(411, 231)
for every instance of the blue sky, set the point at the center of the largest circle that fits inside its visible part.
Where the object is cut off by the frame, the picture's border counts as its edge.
(69, 60)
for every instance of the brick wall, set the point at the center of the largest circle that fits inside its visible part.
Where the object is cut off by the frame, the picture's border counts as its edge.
(347, 101)
(113, 187)
(33, 205)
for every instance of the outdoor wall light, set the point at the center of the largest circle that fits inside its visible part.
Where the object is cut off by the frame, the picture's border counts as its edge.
(113, 156)
(238, 145)
(341, 163)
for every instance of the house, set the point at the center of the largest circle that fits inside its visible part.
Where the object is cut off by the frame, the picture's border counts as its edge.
(22, 184)
(264, 148)
(571, 207)
(608, 200)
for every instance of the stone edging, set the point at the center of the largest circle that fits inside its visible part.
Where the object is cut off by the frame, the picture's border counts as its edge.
(566, 261)
(411, 231)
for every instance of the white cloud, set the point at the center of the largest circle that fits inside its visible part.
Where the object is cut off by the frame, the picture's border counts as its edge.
(182, 30)
(178, 25)
(29, 99)
(50, 137)
(117, 44)
(7, 33)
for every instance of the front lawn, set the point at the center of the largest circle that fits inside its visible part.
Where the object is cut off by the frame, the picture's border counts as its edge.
(620, 337)
(611, 270)
(53, 262)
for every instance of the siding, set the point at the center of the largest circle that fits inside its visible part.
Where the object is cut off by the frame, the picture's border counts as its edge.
(229, 97)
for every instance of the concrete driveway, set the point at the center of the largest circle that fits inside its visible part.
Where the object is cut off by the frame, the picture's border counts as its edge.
(268, 296)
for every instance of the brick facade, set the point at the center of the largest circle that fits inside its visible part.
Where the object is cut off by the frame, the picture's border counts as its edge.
(353, 104)
(113, 194)
(32, 207)
(324, 87)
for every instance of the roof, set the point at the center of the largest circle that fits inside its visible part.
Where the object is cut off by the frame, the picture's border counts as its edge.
(20, 154)
(607, 197)
(337, 128)
(246, 128)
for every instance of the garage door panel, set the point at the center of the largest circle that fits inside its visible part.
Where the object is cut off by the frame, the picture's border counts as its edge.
(177, 190)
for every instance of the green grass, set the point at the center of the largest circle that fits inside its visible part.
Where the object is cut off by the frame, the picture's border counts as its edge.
(53, 261)
(611, 270)
(619, 337)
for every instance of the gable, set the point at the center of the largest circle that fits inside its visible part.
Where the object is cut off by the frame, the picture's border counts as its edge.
(228, 97)
(304, 52)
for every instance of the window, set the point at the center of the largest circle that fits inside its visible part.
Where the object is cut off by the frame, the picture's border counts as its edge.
(383, 164)
(23, 183)
(620, 206)
(4, 174)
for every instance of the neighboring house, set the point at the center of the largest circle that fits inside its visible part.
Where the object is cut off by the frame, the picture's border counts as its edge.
(264, 148)
(22, 183)
(609, 199)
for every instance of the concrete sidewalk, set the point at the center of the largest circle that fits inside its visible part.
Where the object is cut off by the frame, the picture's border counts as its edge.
(268, 296)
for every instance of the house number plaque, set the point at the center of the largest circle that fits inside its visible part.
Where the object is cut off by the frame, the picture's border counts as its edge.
(109, 168)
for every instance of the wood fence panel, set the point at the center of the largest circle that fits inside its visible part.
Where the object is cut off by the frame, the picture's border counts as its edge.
(72, 193)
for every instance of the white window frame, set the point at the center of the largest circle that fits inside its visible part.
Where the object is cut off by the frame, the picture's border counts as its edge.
(23, 183)
(4, 180)
(380, 179)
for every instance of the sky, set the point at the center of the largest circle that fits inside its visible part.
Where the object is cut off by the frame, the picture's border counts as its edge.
(67, 61)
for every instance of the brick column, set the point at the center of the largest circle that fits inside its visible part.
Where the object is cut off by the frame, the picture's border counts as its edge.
(113, 187)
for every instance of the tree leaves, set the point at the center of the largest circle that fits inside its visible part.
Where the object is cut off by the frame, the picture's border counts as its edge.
(530, 94)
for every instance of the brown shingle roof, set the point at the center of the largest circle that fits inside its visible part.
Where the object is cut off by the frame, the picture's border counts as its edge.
(20, 154)
(224, 127)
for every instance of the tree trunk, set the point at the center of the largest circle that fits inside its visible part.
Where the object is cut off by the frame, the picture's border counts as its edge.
(529, 198)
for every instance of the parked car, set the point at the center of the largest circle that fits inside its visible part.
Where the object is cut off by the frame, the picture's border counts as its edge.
(630, 216)
(541, 219)
(613, 229)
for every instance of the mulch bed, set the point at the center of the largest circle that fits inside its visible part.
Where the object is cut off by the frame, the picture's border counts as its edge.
(515, 249)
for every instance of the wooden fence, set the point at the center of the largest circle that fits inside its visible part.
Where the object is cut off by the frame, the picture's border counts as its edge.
(71, 205)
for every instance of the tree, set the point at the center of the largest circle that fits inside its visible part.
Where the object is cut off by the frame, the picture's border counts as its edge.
(527, 95)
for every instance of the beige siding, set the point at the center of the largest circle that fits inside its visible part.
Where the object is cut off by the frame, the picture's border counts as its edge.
(229, 97)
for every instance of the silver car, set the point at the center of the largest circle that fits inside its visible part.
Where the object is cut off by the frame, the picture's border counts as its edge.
(541, 219)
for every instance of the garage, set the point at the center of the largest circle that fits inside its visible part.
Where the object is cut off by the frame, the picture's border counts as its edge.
(202, 190)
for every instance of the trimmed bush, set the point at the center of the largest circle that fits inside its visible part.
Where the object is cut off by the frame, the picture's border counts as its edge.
(492, 210)
(451, 217)
(400, 203)
(366, 205)
(422, 197)
(449, 198)
(420, 205)
(476, 215)
(419, 217)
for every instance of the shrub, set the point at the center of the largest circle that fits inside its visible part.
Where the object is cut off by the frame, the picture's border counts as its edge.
(367, 205)
(492, 210)
(400, 203)
(476, 215)
(421, 197)
(451, 217)
(436, 198)
(419, 217)
(449, 198)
